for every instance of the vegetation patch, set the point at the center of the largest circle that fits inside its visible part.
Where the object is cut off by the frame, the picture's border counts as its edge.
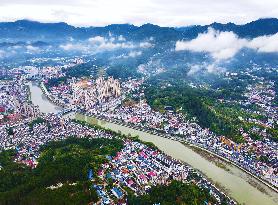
(65, 162)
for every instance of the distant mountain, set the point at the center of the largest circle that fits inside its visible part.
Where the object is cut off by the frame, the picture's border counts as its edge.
(253, 29)
(31, 30)
(159, 33)
(259, 28)
(21, 43)
(26, 29)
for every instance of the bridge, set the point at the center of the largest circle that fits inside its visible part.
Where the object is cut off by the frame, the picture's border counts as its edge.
(66, 111)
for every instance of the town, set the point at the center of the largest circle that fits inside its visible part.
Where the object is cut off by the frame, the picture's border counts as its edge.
(137, 166)
(120, 109)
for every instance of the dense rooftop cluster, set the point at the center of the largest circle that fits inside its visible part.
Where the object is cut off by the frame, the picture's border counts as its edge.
(14, 102)
(27, 136)
(174, 124)
(258, 99)
(138, 168)
(257, 156)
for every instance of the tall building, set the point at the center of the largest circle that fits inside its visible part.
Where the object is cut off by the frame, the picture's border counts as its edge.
(89, 93)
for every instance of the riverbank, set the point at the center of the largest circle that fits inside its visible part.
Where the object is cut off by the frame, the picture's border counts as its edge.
(39, 98)
(216, 160)
(223, 164)
(236, 181)
(184, 142)
(50, 97)
(204, 153)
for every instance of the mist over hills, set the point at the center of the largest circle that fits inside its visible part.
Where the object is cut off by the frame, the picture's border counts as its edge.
(218, 58)
(123, 47)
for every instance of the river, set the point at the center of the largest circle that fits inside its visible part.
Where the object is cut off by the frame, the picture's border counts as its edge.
(235, 181)
(38, 98)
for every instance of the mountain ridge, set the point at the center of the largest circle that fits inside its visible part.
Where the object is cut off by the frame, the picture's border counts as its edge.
(42, 31)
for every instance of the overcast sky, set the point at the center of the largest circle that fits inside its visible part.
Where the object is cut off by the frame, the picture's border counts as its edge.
(138, 12)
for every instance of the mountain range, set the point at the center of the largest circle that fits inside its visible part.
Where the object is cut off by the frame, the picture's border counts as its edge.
(32, 30)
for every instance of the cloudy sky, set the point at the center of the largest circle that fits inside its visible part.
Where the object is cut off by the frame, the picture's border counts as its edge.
(160, 12)
(225, 45)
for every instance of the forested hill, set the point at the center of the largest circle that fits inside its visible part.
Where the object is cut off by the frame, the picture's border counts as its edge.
(55, 31)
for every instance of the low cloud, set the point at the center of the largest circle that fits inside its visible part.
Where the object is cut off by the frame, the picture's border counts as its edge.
(110, 43)
(112, 46)
(225, 45)
(131, 54)
(7, 53)
(2, 54)
(97, 40)
(121, 38)
(205, 67)
(194, 69)
(134, 54)
(145, 45)
(74, 47)
(214, 68)
(32, 49)
(265, 44)
(100, 43)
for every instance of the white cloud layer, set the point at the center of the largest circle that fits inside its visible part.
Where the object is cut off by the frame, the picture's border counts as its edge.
(225, 45)
(97, 39)
(134, 54)
(161, 12)
(2, 53)
(74, 46)
(145, 45)
(16, 50)
(266, 44)
(100, 43)
(210, 68)
(32, 49)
